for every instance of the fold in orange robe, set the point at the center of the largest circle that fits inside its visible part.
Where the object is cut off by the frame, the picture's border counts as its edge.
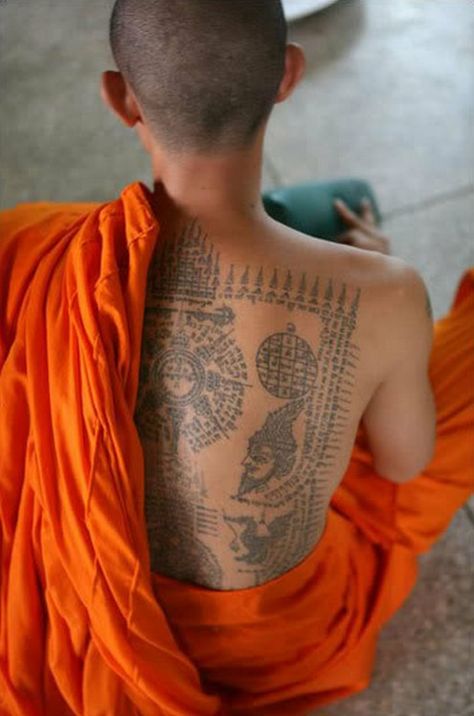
(85, 627)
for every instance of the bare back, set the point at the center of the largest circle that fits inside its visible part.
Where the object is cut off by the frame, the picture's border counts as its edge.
(256, 368)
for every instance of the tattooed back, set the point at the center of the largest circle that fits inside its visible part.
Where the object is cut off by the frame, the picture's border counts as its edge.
(255, 371)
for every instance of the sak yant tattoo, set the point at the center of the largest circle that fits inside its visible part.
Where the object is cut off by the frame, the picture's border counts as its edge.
(271, 450)
(286, 365)
(281, 475)
(178, 521)
(194, 383)
(193, 372)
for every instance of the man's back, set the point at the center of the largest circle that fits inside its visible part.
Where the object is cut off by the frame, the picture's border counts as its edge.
(262, 347)
(260, 354)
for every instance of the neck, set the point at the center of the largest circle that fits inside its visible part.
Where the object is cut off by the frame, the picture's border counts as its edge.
(222, 191)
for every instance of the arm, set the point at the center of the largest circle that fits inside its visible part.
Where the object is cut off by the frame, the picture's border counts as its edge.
(400, 417)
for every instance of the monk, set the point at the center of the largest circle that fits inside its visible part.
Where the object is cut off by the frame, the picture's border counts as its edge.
(223, 442)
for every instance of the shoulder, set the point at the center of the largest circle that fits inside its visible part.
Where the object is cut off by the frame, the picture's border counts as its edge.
(29, 231)
(396, 278)
(399, 290)
(387, 284)
(395, 311)
(25, 215)
(387, 275)
(390, 283)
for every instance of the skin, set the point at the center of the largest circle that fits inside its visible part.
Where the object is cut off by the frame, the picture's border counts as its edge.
(228, 190)
(263, 351)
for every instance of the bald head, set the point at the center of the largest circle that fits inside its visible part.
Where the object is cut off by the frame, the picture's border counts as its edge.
(205, 72)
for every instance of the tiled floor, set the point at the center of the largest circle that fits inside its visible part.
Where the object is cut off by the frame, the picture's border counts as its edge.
(388, 96)
(425, 654)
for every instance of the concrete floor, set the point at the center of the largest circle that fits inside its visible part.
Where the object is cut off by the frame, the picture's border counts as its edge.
(388, 96)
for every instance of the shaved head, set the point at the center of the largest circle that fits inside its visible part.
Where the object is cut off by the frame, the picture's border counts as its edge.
(205, 72)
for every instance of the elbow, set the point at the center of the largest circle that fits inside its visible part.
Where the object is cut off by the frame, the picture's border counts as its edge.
(397, 475)
(411, 458)
(402, 471)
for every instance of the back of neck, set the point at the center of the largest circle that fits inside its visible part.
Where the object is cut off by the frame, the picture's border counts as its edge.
(220, 191)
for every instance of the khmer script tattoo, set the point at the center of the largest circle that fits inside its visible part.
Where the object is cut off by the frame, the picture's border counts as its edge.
(179, 521)
(281, 476)
(193, 384)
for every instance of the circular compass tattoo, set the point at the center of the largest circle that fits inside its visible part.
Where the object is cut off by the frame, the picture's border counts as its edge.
(193, 377)
(286, 364)
(180, 376)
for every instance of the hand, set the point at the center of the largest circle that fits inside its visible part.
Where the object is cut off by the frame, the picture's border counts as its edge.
(363, 231)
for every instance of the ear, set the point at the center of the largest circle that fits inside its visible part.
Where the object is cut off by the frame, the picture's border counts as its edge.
(295, 64)
(117, 96)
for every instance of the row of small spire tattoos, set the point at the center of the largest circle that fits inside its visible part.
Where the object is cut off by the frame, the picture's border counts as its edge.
(190, 265)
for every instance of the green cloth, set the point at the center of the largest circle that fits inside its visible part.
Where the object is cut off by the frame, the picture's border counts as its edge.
(309, 207)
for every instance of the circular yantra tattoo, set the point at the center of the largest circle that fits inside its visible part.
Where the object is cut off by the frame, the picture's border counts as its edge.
(193, 384)
(181, 376)
(286, 364)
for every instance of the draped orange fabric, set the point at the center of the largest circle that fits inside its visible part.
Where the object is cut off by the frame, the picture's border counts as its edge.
(85, 627)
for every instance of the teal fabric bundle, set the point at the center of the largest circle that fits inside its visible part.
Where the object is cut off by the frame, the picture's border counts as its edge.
(310, 208)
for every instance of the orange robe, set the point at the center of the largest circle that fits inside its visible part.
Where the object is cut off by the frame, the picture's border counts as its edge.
(85, 628)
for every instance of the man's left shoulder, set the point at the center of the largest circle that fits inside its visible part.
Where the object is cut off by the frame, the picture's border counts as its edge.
(24, 215)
